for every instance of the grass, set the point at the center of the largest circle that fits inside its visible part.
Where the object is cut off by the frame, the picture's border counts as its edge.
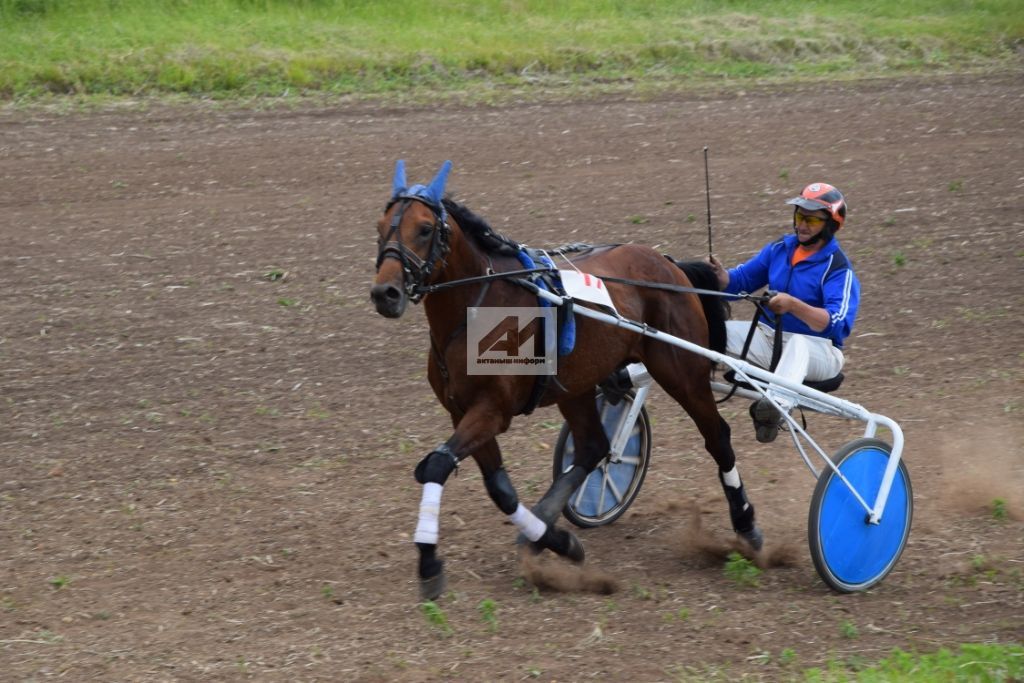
(241, 48)
(59, 582)
(489, 613)
(977, 663)
(742, 571)
(436, 617)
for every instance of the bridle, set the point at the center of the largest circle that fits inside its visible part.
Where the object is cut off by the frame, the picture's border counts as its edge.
(416, 271)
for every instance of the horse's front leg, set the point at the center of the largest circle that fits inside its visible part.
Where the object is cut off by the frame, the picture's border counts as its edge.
(475, 434)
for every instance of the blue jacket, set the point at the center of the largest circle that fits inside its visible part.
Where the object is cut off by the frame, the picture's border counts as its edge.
(824, 280)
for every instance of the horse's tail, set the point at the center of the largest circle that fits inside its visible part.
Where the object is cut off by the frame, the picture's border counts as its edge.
(716, 310)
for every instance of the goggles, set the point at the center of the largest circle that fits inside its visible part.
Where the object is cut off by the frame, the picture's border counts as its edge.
(809, 221)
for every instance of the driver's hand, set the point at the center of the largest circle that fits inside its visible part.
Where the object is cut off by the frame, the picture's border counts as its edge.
(782, 303)
(720, 272)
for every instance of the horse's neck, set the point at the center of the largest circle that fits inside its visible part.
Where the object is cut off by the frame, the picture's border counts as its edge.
(446, 309)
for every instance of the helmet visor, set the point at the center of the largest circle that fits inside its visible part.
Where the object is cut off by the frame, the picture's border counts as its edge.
(809, 204)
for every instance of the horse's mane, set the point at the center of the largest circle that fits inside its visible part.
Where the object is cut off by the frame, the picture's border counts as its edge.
(480, 231)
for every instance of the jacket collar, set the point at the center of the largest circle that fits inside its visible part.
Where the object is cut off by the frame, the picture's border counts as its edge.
(831, 247)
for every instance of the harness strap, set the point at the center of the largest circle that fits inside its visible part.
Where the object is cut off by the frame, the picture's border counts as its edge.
(663, 285)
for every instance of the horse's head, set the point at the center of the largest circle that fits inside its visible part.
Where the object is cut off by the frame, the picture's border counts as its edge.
(413, 238)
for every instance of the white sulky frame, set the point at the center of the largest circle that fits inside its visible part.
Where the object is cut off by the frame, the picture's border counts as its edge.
(759, 378)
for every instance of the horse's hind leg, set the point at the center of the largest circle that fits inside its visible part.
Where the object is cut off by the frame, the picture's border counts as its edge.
(540, 532)
(692, 390)
(591, 446)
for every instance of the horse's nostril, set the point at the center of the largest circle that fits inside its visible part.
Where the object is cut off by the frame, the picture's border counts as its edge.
(387, 295)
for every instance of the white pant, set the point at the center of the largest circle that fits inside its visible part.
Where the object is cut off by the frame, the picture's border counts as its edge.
(803, 357)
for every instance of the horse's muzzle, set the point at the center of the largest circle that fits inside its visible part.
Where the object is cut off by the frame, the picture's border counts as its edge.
(389, 299)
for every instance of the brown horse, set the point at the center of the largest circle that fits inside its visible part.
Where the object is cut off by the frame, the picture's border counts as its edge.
(434, 249)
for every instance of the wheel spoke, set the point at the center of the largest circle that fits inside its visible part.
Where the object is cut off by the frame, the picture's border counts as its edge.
(581, 490)
(600, 499)
(610, 483)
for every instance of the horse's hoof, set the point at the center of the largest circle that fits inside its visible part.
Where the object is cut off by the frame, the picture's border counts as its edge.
(565, 544)
(754, 538)
(575, 551)
(431, 588)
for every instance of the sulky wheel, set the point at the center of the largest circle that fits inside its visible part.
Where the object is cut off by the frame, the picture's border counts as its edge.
(849, 553)
(611, 488)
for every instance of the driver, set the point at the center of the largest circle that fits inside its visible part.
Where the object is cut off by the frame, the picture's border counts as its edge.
(817, 298)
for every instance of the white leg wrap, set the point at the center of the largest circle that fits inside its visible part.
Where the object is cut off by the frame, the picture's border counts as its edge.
(430, 511)
(528, 523)
(732, 478)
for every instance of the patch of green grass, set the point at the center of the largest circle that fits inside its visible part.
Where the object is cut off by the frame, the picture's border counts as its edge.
(972, 663)
(317, 412)
(489, 613)
(282, 48)
(956, 186)
(999, 511)
(59, 582)
(681, 614)
(436, 617)
(641, 592)
(274, 274)
(849, 630)
(898, 259)
(742, 571)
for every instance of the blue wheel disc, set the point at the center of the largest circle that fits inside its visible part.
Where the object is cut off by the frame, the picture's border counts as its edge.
(849, 553)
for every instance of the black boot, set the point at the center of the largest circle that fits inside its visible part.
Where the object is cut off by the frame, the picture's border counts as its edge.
(615, 386)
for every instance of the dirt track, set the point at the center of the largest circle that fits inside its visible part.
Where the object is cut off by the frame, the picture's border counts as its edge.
(206, 474)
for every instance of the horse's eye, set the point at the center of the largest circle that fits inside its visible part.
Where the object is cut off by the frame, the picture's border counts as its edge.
(425, 230)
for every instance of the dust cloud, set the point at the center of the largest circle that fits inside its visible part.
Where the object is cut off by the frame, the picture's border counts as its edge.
(982, 464)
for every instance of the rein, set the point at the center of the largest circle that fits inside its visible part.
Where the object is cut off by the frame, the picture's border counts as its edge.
(756, 299)
(490, 277)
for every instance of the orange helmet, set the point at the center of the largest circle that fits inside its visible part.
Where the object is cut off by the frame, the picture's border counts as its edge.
(822, 196)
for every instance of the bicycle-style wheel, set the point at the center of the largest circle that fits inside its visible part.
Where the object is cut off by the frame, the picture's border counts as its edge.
(849, 553)
(612, 486)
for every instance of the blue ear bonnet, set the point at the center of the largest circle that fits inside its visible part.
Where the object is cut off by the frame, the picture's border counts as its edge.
(428, 194)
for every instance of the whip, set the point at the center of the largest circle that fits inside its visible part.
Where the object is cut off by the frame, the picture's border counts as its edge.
(707, 192)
